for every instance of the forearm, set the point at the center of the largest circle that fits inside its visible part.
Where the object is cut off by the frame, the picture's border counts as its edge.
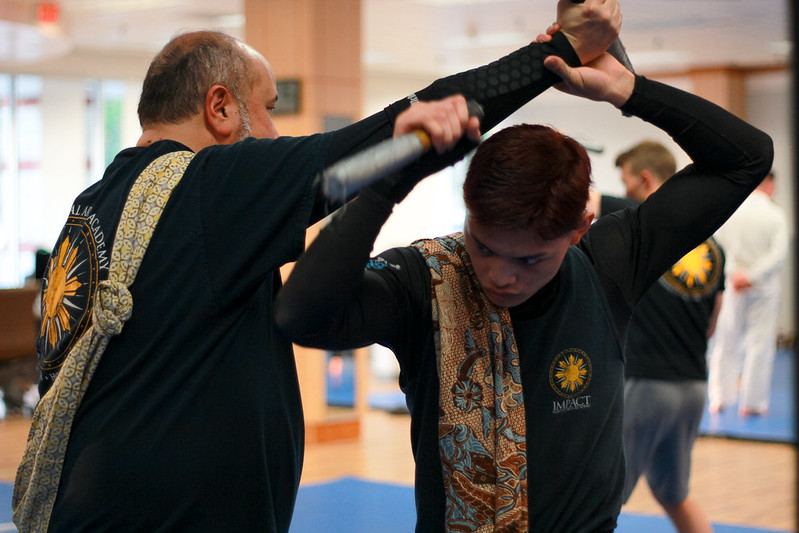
(501, 87)
(318, 306)
(713, 138)
(714, 316)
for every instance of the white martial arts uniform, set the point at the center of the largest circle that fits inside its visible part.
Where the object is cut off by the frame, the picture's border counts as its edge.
(755, 240)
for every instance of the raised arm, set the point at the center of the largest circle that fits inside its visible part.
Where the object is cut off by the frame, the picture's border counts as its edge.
(730, 157)
(330, 301)
(500, 87)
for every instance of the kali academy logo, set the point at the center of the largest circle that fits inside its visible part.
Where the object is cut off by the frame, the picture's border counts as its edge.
(69, 285)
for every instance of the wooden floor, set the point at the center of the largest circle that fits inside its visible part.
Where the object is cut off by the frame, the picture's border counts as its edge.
(735, 482)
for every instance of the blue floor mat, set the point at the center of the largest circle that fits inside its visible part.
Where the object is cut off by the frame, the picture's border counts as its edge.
(351, 505)
(777, 426)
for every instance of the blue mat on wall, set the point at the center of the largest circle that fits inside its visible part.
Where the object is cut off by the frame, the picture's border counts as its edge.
(5, 507)
(351, 505)
(777, 426)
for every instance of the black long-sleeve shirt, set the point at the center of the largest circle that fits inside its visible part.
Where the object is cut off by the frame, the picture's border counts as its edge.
(575, 459)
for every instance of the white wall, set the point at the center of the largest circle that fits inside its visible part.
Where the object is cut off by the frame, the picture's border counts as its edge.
(64, 151)
(64, 158)
(131, 130)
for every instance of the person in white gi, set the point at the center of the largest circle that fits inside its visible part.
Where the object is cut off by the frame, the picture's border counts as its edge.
(741, 358)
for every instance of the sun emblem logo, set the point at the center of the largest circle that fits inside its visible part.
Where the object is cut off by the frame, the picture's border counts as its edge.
(62, 284)
(695, 267)
(570, 373)
(70, 282)
(698, 272)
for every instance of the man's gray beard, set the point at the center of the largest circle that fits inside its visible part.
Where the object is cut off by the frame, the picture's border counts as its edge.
(245, 128)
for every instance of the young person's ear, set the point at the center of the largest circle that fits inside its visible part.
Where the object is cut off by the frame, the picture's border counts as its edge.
(219, 107)
(585, 223)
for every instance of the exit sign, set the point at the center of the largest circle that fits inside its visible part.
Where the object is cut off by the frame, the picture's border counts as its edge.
(48, 12)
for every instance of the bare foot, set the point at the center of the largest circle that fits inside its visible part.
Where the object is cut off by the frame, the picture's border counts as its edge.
(747, 412)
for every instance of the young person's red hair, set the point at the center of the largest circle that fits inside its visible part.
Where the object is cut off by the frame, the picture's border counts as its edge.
(529, 177)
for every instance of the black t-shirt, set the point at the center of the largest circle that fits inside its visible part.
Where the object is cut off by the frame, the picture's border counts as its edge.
(668, 332)
(611, 204)
(193, 419)
(669, 329)
(576, 464)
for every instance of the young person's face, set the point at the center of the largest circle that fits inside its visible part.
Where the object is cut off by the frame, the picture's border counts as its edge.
(512, 265)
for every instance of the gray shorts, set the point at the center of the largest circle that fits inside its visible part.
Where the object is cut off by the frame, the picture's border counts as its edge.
(661, 423)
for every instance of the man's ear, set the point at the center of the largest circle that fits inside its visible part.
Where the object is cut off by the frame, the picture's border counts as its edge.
(585, 223)
(220, 108)
(651, 183)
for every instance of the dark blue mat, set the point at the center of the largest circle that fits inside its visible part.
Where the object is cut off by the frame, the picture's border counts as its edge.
(351, 505)
(777, 426)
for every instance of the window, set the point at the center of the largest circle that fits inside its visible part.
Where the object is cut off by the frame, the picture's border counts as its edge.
(20, 175)
(57, 136)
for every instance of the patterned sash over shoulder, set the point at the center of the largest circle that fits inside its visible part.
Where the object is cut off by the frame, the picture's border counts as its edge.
(482, 431)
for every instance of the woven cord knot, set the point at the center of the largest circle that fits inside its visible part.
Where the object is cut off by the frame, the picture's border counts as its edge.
(113, 306)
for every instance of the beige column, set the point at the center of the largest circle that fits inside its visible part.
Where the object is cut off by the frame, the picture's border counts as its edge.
(725, 86)
(316, 43)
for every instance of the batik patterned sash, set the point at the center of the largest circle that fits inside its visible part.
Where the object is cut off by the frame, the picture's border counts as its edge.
(482, 431)
(39, 472)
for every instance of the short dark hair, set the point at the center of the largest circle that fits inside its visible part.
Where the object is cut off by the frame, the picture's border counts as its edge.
(651, 156)
(529, 177)
(180, 75)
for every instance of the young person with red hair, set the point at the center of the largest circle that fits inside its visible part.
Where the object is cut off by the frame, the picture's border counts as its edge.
(510, 335)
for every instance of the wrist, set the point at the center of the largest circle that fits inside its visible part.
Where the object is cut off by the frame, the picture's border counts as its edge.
(622, 90)
(564, 48)
(625, 98)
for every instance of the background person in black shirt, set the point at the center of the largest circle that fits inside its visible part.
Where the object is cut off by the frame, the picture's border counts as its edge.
(666, 370)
